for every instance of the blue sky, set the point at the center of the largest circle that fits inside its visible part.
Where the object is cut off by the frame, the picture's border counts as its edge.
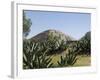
(73, 24)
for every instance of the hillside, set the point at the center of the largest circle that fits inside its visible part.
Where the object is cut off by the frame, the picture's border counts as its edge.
(87, 36)
(44, 36)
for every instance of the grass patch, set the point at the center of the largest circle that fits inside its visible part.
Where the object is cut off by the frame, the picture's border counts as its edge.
(83, 60)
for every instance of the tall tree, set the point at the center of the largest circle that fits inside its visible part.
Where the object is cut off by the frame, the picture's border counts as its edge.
(26, 25)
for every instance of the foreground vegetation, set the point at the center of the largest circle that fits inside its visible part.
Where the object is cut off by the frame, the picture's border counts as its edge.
(55, 53)
(82, 60)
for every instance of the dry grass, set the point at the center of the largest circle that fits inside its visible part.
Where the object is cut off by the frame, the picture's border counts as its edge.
(83, 60)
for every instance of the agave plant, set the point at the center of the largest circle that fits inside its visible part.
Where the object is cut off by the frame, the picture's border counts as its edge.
(34, 56)
(69, 59)
(29, 50)
(62, 62)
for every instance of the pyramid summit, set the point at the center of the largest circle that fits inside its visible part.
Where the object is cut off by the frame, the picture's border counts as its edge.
(55, 33)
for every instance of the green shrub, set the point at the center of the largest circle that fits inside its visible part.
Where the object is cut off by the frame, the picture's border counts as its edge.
(81, 47)
(55, 44)
(34, 56)
(69, 60)
(63, 45)
(84, 47)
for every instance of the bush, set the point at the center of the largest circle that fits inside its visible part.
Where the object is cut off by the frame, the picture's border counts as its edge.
(81, 47)
(84, 47)
(55, 44)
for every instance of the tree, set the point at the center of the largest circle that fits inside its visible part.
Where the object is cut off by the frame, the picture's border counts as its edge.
(26, 25)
